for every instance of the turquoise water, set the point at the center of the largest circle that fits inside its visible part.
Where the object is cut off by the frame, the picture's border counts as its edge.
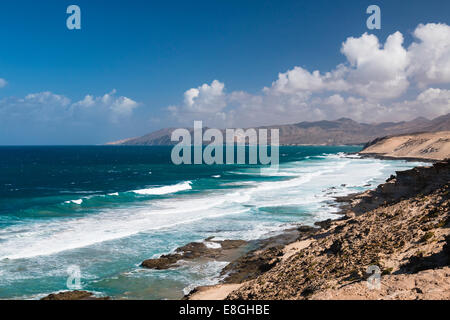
(106, 209)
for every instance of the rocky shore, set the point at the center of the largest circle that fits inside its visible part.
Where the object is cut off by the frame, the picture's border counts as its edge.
(209, 249)
(401, 229)
(424, 146)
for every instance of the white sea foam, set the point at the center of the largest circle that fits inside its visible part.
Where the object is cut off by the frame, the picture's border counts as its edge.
(166, 189)
(212, 245)
(79, 201)
(308, 189)
(48, 238)
(209, 272)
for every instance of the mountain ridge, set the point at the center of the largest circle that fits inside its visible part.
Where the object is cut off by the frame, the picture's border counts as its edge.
(343, 131)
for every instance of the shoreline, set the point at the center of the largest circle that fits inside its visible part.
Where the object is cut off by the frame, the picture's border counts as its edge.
(382, 157)
(353, 206)
(236, 269)
(259, 257)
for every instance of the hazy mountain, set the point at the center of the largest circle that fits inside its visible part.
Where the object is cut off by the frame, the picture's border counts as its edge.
(338, 132)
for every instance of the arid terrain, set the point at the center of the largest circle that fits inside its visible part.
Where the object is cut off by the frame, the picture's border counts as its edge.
(401, 229)
(429, 145)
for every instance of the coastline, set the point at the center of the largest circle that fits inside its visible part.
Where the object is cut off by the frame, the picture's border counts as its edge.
(251, 261)
(409, 159)
(426, 261)
(241, 270)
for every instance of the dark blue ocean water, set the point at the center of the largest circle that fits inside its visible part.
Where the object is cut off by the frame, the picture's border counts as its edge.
(105, 209)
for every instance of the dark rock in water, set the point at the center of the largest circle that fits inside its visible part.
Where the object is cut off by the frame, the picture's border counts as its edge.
(73, 295)
(192, 251)
(162, 263)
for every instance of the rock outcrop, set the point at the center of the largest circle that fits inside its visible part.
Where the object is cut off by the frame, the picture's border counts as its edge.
(209, 249)
(73, 295)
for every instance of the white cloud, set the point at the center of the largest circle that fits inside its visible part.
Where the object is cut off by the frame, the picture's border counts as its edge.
(54, 108)
(205, 102)
(370, 86)
(430, 103)
(301, 82)
(113, 107)
(431, 55)
(47, 98)
(377, 72)
(88, 101)
(206, 98)
(124, 106)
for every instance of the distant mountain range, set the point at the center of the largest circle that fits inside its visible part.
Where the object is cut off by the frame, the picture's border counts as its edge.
(343, 131)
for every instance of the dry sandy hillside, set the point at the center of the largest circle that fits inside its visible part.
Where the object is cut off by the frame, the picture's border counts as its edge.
(430, 145)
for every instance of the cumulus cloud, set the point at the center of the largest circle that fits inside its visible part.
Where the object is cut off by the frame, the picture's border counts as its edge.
(109, 105)
(370, 85)
(206, 101)
(48, 107)
(431, 102)
(302, 82)
(55, 118)
(206, 98)
(377, 72)
(431, 55)
(36, 107)
(46, 98)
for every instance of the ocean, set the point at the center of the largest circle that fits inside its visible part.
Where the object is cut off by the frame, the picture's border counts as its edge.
(105, 209)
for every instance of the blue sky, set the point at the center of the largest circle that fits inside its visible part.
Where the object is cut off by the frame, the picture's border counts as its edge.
(138, 59)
